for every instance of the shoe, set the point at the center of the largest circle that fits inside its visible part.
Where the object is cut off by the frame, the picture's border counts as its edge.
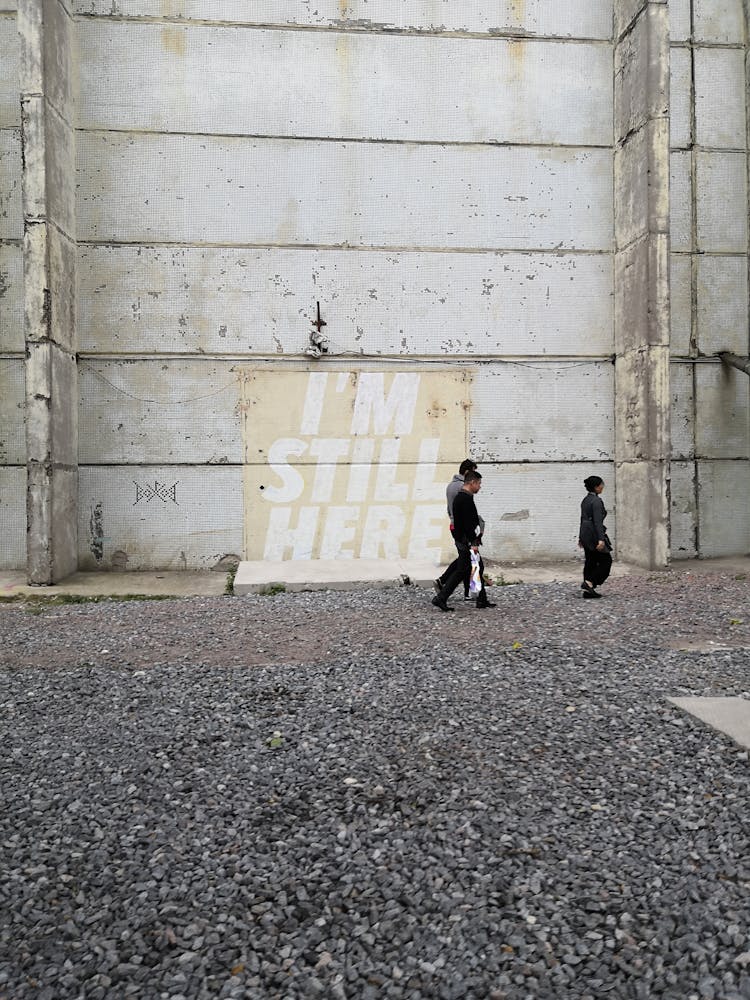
(438, 585)
(486, 604)
(469, 597)
(591, 593)
(587, 588)
(440, 603)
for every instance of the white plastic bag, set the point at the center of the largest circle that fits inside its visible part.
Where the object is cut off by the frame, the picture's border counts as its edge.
(475, 583)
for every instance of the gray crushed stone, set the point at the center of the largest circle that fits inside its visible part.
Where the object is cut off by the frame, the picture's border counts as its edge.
(356, 796)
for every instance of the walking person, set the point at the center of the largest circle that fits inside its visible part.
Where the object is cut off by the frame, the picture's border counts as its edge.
(451, 490)
(466, 534)
(593, 538)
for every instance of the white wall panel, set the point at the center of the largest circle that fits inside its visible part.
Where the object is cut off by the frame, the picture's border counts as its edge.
(719, 21)
(723, 510)
(720, 98)
(11, 220)
(159, 412)
(722, 396)
(552, 412)
(680, 98)
(11, 298)
(582, 18)
(173, 517)
(680, 201)
(683, 410)
(13, 517)
(338, 84)
(10, 54)
(534, 511)
(722, 304)
(263, 301)
(12, 405)
(683, 511)
(722, 202)
(193, 189)
(679, 20)
(681, 305)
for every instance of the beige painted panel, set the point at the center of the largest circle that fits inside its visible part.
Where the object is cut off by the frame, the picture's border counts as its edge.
(10, 55)
(198, 189)
(339, 84)
(11, 298)
(679, 20)
(680, 98)
(159, 412)
(12, 405)
(352, 463)
(13, 517)
(534, 511)
(585, 18)
(723, 412)
(11, 219)
(680, 201)
(680, 299)
(722, 202)
(720, 98)
(158, 517)
(543, 412)
(682, 414)
(719, 21)
(724, 513)
(263, 301)
(683, 510)
(722, 304)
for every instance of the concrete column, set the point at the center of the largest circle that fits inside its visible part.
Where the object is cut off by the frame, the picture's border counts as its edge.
(48, 142)
(642, 281)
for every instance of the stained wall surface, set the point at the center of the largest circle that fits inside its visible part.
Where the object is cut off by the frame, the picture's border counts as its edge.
(419, 178)
(709, 279)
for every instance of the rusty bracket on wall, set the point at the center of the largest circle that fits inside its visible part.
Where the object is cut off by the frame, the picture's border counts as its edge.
(736, 361)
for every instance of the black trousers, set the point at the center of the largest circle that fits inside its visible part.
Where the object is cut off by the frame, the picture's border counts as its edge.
(458, 570)
(597, 566)
(454, 565)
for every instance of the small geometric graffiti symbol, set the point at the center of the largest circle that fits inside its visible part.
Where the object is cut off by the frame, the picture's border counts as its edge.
(156, 492)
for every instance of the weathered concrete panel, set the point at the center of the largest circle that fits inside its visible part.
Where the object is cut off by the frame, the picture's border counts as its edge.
(51, 390)
(11, 219)
(60, 172)
(192, 189)
(159, 412)
(723, 405)
(64, 376)
(566, 18)
(719, 21)
(680, 297)
(11, 298)
(720, 98)
(642, 500)
(339, 84)
(642, 404)
(642, 294)
(722, 305)
(12, 402)
(58, 43)
(61, 263)
(158, 517)
(10, 57)
(13, 517)
(680, 98)
(680, 202)
(641, 204)
(723, 510)
(683, 511)
(680, 28)
(263, 301)
(721, 202)
(548, 412)
(682, 416)
(641, 74)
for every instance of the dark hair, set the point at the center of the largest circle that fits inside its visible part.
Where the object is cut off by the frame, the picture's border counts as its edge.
(472, 476)
(468, 465)
(592, 482)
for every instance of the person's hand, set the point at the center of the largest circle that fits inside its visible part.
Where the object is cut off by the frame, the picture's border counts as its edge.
(475, 547)
(600, 546)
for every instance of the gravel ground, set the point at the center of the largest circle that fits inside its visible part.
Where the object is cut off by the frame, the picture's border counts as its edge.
(353, 795)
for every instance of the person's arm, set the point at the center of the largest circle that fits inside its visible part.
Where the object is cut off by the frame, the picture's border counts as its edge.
(597, 517)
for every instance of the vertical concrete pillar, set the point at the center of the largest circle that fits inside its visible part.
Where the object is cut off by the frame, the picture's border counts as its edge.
(641, 281)
(48, 142)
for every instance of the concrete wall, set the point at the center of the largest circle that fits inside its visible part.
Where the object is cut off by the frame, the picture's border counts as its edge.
(709, 279)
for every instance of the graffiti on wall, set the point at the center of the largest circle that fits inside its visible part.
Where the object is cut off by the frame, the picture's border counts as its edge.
(350, 464)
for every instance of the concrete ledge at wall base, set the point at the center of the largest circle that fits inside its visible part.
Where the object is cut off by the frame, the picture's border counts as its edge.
(332, 574)
(182, 583)
(730, 716)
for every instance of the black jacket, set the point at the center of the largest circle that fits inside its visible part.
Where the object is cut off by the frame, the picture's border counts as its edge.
(466, 520)
(593, 513)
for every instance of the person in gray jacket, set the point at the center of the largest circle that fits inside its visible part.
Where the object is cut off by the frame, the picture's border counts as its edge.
(453, 488)
(593, 538)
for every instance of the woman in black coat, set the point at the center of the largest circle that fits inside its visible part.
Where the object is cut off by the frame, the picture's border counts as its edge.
(593, 538)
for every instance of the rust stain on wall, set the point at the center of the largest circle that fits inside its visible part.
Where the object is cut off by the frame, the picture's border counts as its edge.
(173, 40)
